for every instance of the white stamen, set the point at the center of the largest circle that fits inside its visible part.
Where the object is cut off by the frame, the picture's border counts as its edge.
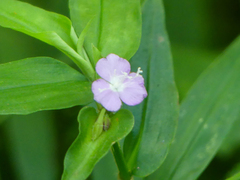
(124, 73)
(116, 82)
(139, 71)
(101, 90)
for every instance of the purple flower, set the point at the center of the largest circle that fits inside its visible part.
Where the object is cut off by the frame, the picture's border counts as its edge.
(117, 83)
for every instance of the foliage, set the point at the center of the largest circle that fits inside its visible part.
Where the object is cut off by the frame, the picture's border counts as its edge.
(161, 138)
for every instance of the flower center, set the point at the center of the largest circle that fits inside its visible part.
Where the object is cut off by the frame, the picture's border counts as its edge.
(117, 81)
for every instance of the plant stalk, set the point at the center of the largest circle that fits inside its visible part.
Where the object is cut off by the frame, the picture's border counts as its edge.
(124, 173)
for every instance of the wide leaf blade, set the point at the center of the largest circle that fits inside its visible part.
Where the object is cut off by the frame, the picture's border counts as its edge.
(84, 153)
(52, 28)
(206, 116)
(115, 25)
(41, 83)
(147, 145)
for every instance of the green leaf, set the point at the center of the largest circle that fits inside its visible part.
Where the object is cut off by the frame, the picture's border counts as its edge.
(96, 55)
(231, 142)
(107, 162)
(81, 39)
(33, 146)
(49, 27)
(41, 83)
(115, 28)
(36, 22)
(235, 177)
(84, 153)
(156, 119)
(206, 116)
(235, 170)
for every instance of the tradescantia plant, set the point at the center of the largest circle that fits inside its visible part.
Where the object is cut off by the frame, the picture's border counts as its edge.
(122, 54)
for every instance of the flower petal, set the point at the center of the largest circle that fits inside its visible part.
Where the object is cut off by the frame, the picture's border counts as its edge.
(104, 95)
(137, 78)
(133, 93)
(99, 86)
(111, 66)
(111, 101)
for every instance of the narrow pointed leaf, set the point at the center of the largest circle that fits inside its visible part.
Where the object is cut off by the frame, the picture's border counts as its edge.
(41, 83)
(81, 39)
(156, 119)
(96, 55)
(206, 116)
(115, 28)
(84, 153)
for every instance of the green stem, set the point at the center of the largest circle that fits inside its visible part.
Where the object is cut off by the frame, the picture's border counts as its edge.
(84, 65)
(124, 173)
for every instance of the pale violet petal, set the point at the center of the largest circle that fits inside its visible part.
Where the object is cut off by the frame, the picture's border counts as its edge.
(104, 95)
(104, 69)
(111, 66)
(133, 93)
(98, 87)
(111, 101)
(137, 78)
(119, 64)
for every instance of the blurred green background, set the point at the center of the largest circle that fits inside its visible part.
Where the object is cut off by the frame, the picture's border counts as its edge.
(33, 146)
